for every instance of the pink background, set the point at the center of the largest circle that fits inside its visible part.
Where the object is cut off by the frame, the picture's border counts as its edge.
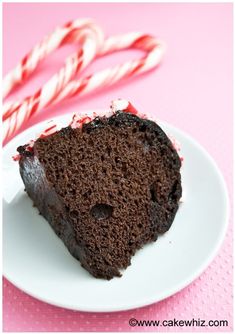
(192, 90)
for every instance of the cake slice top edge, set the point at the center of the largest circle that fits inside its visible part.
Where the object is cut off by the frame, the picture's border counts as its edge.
(78, 120)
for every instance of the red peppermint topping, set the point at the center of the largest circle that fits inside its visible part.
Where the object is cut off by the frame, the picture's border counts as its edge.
(16, 157)
(49, 131)
(77, 121)
(131, 109)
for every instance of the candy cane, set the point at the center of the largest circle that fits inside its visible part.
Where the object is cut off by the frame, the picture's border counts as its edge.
(62, 85)
(84, 31)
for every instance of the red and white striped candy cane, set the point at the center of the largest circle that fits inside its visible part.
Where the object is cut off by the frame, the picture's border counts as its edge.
(62, 85)
(82, 31)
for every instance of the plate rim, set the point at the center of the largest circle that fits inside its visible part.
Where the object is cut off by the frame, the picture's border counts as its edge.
(176, 288)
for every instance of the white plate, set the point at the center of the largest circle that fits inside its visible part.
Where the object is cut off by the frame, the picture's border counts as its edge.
(36, 260)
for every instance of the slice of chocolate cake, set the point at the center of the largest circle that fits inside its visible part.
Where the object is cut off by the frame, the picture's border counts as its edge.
(107, 188)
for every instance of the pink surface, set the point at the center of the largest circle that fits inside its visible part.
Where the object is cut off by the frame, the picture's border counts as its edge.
(192, 90)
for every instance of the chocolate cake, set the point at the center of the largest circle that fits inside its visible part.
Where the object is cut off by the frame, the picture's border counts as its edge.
(106, 188)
